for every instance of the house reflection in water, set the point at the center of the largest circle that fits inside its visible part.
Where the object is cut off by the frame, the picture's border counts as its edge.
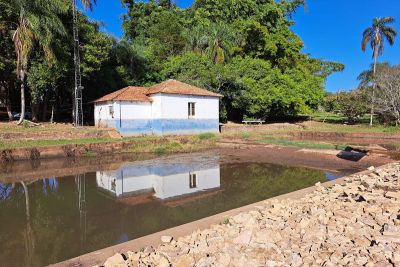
(172, 183)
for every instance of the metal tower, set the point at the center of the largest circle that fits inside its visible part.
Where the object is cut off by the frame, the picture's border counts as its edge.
(80, 181)
(78, 110)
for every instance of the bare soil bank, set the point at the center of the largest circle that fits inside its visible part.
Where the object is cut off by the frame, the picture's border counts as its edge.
(318, 159)
(136, 145)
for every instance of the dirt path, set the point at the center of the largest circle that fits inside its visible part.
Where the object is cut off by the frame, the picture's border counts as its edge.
(291, 156)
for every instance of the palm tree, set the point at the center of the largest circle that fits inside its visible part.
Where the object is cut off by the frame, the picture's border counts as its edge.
(366, 77)
(36, 24)
(220, 40)
(375, 36)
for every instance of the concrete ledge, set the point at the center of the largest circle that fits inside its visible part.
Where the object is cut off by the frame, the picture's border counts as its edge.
(100, 256)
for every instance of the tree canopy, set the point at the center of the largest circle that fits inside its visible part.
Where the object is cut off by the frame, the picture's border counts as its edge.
(245, 50)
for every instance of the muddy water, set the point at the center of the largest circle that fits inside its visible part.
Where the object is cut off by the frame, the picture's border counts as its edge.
(45, 219)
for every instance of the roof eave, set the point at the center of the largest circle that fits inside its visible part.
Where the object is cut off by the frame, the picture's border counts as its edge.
(169, 93)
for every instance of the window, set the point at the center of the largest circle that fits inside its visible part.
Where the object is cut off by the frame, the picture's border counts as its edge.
(111, 110)
(191, 109)
(192, 180)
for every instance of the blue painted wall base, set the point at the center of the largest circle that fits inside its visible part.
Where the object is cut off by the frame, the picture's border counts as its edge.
(163, 127)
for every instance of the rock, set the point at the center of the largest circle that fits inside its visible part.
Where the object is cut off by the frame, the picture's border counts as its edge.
(223, 259)
(166, 239)
(163, 262)
(183, 261)
(270, 263)
(389, 239)
(352, 224)
(295, 260)
(361, 260)
(243, 238)
(371, 168)
(115, 261)
(395, 195)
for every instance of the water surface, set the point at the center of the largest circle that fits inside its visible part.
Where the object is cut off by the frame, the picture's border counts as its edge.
(45, 220)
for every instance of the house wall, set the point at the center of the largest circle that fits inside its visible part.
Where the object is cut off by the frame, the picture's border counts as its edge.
(136, 118)
(167, 114)
(130, 118)
(102, 116)
(170, 114)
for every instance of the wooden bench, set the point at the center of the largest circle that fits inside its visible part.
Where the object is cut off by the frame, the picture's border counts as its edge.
(253, 122)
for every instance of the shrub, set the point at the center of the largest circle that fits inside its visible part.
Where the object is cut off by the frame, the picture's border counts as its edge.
(245, 135)
(353, 104)
(167, 148)
(206, 136)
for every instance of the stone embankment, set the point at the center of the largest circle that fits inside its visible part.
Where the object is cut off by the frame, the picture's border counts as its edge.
(353, 224)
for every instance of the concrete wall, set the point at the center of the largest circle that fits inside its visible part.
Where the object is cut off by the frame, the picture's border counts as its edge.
(167, 114)
(170, 114)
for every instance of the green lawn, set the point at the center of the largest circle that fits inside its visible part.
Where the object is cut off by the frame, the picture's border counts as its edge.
(82, 141)
(301, 144)
(152, 144)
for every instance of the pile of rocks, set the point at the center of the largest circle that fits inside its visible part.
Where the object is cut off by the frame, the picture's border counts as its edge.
(353, 224)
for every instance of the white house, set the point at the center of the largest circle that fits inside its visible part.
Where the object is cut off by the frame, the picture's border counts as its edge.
(171, 107)
(164, 181)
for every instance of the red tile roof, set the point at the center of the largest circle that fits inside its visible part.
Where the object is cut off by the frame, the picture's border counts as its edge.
(130, 93)
(142, 94)
(180, 88)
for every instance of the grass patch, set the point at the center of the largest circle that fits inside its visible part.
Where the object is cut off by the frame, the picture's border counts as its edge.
(336, 118)
(172, 145)
(226, 221)
(168, 148)
(300, 144)
(206, 136)
(391, 129)
(43, 143)
(82, 141)
(245, 135)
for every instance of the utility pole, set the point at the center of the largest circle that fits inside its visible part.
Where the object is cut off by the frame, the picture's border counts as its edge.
(77, 106)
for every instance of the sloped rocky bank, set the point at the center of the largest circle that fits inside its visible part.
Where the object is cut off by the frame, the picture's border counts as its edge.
(352, 224)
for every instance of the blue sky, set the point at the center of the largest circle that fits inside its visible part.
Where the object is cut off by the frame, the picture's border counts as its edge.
(330, 29)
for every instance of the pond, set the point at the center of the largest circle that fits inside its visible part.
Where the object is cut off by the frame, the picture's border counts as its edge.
(45, 220)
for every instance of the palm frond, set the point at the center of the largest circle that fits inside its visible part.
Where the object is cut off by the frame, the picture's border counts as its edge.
(387, 20)
(389, 34)
(366, 38)
(88, 4)
(377, 34)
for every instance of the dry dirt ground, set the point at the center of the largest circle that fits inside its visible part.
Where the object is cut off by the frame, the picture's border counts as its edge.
(292, 156)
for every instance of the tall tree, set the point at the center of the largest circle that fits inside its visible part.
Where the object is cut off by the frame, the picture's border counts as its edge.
(376, 35)
(36, 24)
